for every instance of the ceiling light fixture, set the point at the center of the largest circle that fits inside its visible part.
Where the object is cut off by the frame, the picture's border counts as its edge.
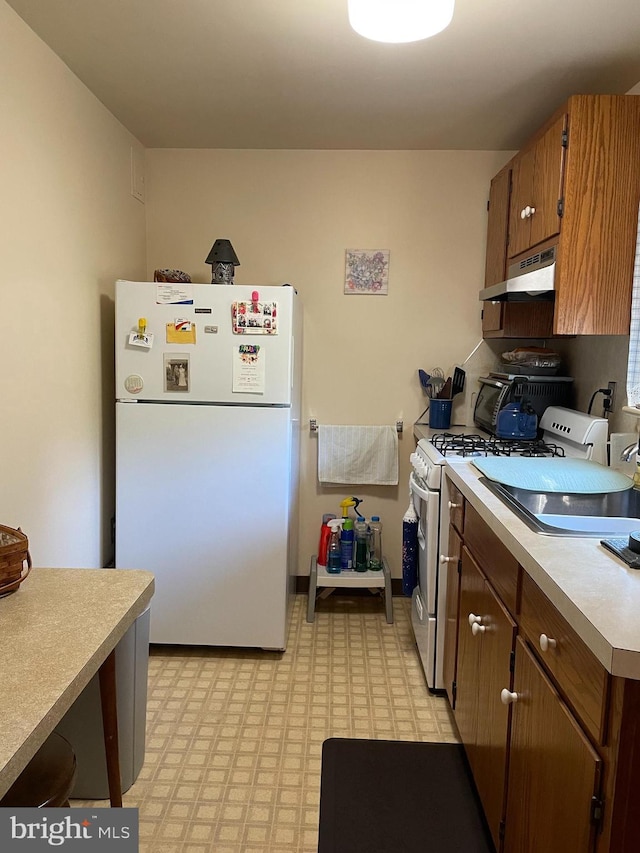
(400, 20)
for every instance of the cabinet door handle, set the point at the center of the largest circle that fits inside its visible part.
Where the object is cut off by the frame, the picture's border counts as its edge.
(527, 212)
(477, 628)
(547, 643)
(523, 213)
(451, 505)
(507, 697)
(444, 559)
(473, 619)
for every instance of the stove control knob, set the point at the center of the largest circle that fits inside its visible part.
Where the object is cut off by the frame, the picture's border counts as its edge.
(507, 697)
(547, 643)
(414, 456)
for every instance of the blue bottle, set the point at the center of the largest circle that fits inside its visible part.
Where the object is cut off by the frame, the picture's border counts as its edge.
(346, 545)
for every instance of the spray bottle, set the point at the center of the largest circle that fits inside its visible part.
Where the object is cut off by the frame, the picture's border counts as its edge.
(333, 552)
(325, 534)
(347, 503)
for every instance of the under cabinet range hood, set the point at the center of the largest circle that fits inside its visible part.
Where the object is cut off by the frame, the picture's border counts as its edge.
(530, 278)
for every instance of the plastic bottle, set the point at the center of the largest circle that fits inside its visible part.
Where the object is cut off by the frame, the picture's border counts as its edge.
(346, 545)
(333, 550)
(410, 549)
(375, 544)
(361, 529)
(325, 533)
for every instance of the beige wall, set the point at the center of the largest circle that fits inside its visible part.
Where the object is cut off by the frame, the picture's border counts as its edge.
(68, 228)
(290, 216)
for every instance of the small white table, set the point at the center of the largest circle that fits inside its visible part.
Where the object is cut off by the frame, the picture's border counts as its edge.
(372, 580)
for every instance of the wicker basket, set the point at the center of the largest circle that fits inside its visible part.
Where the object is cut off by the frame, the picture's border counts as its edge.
(14, 553)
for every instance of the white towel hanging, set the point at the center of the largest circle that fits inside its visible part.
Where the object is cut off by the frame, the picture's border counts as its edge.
(358, 455)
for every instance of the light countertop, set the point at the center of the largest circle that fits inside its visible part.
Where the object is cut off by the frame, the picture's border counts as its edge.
(55, 632)
(597, 594)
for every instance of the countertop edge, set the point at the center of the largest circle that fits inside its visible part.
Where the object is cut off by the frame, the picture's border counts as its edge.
(10, 771)
(560, 587)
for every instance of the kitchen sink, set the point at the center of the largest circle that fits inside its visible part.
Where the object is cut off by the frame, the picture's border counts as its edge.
(556, 514)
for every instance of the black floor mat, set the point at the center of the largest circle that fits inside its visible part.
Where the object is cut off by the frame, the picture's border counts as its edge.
(380, 796)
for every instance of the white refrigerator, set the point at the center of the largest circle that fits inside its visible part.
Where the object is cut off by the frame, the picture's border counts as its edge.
(207, 445)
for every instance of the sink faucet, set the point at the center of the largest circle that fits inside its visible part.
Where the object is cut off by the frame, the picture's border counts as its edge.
(629, 452)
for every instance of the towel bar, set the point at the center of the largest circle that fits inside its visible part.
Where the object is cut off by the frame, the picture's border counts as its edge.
(313, 425)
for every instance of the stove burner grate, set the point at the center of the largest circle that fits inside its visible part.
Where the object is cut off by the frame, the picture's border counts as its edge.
(535, 448)
(477, 445)
(460, 445)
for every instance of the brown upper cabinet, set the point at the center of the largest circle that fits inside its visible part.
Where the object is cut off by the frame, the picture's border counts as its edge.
(576, 186)
(536, 190)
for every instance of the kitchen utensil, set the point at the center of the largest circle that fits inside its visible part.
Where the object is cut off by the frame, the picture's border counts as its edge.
(445, 391)
(424, 381)
(457, 385)
(436, 381)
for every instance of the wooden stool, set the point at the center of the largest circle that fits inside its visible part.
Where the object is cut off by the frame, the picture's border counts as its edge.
(47, 780)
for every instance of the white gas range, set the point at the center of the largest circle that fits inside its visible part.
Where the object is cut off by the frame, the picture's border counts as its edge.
(564, 433)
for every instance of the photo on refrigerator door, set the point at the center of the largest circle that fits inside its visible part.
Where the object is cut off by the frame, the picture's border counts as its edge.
(176, 372)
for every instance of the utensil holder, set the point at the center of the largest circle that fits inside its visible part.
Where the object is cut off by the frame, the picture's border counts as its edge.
(440, 414)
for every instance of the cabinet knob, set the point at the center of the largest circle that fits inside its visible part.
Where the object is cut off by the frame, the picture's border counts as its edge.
(477, 628)
(473, 619)
(453, 505)
(527, 212)
(444, 559)
(547, 643)
(523, 213)
(507, 697)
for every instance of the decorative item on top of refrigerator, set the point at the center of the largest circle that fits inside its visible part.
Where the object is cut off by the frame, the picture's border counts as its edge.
(208, 408)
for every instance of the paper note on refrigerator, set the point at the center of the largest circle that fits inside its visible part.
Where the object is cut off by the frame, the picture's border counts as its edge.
(181, 332)
(174, 294)
(248, 369)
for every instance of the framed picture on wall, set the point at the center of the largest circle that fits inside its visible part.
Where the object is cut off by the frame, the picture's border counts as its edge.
(367, 272)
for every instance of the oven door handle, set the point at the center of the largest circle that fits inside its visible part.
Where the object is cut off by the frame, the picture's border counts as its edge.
(418, 490)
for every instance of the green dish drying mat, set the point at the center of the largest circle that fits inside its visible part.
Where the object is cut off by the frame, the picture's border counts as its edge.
(554, 474)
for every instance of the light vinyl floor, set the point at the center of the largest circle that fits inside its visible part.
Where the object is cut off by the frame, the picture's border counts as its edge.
(234, 737)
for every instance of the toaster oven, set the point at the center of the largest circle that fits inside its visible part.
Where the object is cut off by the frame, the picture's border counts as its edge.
(497, 390)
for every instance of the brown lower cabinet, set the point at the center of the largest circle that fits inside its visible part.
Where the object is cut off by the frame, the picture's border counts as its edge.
(553, 740)
(485, 645)
(554, 772)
